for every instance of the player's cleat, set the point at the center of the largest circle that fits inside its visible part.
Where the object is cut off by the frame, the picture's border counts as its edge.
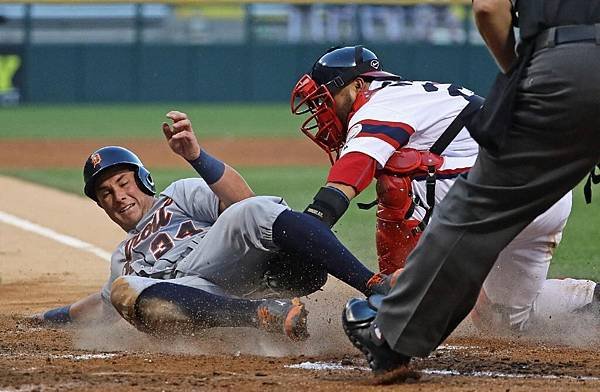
(381, 283)
(284, 316)
(357, 319)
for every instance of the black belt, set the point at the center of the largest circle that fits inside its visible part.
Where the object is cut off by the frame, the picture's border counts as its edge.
(567, 34)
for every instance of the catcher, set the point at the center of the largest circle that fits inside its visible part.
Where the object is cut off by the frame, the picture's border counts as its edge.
(206, 252)
(411, 137)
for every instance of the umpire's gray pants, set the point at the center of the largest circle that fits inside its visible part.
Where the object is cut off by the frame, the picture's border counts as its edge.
(554, 142)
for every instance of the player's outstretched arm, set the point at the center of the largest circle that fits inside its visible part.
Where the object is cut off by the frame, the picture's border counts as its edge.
(87, 310)
(229, 186)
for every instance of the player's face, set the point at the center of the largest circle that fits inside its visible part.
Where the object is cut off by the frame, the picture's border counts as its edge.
(343, 103)
(344, 99)
(120, 197)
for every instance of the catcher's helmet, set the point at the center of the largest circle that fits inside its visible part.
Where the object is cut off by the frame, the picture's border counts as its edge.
(111, 156)
(314, 93)
(341, 65)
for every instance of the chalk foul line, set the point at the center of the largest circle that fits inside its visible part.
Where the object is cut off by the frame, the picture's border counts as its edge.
(53, 235)
(437, 372)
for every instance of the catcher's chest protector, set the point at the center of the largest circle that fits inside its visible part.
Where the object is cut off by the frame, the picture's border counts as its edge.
(397, 233)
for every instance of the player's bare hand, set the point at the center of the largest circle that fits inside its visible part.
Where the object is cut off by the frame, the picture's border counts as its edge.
(35, 320)
(180, 136)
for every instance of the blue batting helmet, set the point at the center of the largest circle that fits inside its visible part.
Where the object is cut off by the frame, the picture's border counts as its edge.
(111, 156)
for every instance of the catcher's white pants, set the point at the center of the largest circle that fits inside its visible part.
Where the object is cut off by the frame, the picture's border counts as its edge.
(516, 293)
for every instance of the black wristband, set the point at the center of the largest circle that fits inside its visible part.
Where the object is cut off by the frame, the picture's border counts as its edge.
(328, 205)
(58, 315)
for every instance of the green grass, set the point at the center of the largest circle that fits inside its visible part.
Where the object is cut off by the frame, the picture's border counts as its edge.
(579, 252)
(143, 121)
(578, 255)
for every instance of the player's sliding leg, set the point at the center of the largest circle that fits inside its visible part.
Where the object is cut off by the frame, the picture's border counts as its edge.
(547, 307)
(161, 307)
(565, 297)
(300, 234)
(516, 295)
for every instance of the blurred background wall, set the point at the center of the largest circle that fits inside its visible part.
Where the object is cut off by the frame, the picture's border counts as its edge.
(219, 51)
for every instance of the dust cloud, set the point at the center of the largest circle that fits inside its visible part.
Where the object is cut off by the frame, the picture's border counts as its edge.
(324, 326)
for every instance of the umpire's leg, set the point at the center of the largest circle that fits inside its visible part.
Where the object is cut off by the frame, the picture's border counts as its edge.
(554, 143)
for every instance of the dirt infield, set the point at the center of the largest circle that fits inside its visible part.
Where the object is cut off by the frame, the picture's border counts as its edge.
(155, 152)
(37, 272)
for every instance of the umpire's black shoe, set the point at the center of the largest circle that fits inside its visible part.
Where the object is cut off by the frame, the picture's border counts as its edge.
(357, 319)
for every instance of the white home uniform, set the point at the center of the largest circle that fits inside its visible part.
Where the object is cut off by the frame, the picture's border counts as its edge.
(184, 239)
(409, 114)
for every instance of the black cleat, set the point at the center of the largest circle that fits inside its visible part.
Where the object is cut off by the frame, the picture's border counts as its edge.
(357, 319)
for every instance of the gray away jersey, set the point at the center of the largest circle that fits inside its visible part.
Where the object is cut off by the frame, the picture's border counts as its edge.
(178, 220)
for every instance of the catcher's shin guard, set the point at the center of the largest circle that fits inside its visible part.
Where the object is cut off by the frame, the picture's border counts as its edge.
(395, 240)
(396, 236)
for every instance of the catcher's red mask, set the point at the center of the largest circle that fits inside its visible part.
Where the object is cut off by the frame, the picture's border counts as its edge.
(322, 125)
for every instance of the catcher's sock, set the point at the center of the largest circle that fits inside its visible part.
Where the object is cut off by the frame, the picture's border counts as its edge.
(164, 300)
(301, 234)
